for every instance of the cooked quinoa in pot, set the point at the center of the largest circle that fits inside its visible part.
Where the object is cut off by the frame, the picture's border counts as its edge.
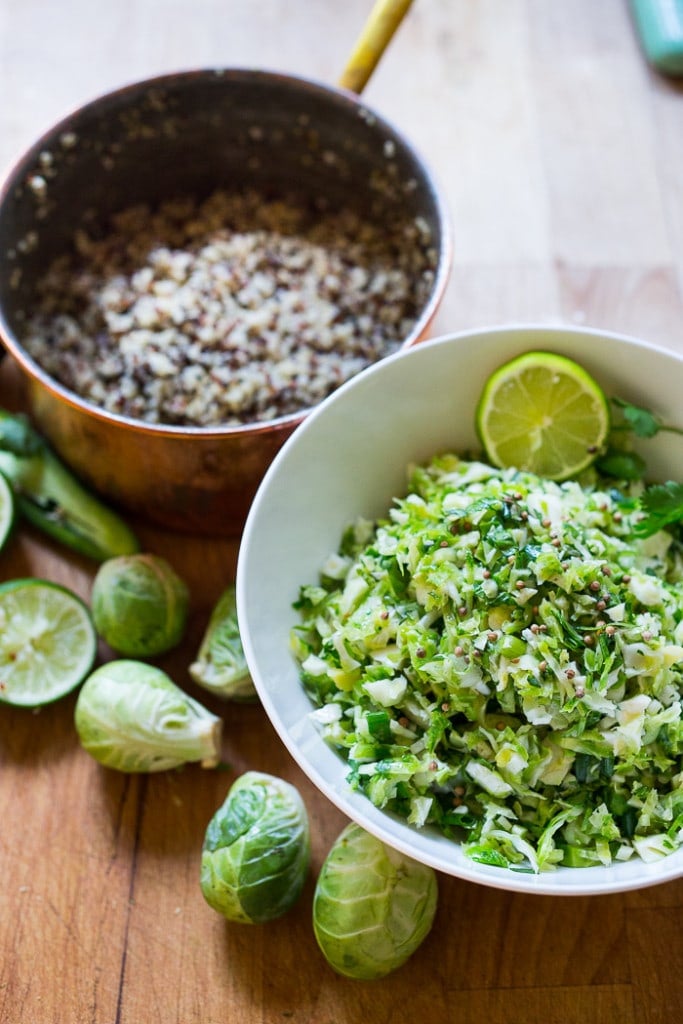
(233, 310)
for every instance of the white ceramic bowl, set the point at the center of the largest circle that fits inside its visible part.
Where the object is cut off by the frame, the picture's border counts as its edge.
(348, 459)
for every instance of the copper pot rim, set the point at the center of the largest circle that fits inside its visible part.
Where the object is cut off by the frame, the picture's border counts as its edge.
(19, 169)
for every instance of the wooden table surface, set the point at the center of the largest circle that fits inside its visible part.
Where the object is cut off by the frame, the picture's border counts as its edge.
(561, 154)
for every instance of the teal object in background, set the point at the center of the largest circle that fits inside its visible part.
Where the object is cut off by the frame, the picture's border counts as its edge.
(659, 24)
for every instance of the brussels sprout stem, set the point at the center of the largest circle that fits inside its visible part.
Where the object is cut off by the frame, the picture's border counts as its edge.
(209, 737)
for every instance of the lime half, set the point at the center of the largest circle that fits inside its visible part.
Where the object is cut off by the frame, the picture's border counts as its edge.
(543, 413)
(7, 510)
(47, 642)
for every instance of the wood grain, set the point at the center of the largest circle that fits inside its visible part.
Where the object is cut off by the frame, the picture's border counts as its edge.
(560, 153)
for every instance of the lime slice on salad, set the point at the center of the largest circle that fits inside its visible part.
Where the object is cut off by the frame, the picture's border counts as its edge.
(7, 510)
(543, 413)
(47, 642)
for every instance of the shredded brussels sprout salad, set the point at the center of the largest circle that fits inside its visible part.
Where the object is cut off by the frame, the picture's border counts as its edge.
(502, 658)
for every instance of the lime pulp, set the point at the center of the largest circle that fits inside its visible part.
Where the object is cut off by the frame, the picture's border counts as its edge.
(48, 642)
(543, 413)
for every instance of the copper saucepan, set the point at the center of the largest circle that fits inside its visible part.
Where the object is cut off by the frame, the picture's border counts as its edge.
(191, 133)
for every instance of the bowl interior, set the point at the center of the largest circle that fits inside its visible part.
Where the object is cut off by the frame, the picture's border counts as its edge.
(349, 458)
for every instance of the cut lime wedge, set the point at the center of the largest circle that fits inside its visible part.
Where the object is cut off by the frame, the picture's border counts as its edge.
(543, 413)
(47, 642)
(7, 510)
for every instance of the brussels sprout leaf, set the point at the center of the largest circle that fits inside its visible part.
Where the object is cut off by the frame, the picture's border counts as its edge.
(239, 814)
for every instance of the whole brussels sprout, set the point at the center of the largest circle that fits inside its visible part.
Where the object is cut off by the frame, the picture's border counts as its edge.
(220, 666)
(372, 907)
(131, 716)
(256, 850)
(139, 605)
